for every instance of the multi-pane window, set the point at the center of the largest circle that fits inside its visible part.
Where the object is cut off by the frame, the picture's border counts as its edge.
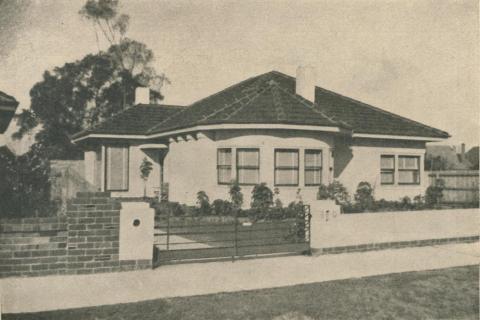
(224, 165)
(387, 169)
(286, 167)
(313, 167)
(248, 166)
(408, 170)
(116, 173)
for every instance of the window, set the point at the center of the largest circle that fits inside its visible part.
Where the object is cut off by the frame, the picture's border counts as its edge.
(387, 169)
(286, 167)
(248, 166)
(116, 175)
(313, 167)
(224, 165)
(408, 170)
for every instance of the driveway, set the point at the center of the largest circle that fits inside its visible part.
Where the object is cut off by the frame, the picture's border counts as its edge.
(64, 292)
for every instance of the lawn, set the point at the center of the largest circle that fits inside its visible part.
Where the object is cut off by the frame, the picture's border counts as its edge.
(439, 294)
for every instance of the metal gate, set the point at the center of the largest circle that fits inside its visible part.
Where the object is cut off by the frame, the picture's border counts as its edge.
(191, 238)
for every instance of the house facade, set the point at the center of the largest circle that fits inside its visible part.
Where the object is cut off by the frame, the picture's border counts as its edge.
(272, 128)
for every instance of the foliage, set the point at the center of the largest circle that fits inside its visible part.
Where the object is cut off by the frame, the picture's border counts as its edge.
(25, 186)
(236, 195)
(436, 163)
(262, 197)
(81, 94)
(364, 196)
(203, 203)
(334, 191)
(145, 168)
(277, 202)
(434, 194)
(222, 207)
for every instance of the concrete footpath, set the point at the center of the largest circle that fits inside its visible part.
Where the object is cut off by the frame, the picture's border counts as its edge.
(74, 291)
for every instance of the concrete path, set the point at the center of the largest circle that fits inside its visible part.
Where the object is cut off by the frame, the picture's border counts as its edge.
(63, 292)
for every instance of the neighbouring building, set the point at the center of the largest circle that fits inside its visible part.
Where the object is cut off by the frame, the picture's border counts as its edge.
(270, 128)
(8, 106)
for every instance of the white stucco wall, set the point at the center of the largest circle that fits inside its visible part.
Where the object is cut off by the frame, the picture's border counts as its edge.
(359, 160)
(191, 165)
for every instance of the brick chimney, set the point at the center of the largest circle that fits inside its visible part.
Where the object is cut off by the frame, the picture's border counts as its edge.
(142, 95)
(305, 83)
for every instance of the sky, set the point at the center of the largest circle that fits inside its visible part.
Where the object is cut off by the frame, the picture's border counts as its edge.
(418, 59)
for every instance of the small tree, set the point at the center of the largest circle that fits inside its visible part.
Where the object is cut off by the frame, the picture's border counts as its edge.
(145, 169)
(236, 194)
(364, 196)
(434, 194)
(262, 196)
(203, 202)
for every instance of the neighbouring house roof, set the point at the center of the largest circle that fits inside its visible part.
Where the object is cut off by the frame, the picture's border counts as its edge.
(453, 160)
(8, 105)
(270, 99)
(135, 120)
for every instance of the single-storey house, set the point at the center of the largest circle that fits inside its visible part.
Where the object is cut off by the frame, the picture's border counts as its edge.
(270, 128)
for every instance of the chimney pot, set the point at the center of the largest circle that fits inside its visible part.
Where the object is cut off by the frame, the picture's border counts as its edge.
(305, 83)
(142, 95)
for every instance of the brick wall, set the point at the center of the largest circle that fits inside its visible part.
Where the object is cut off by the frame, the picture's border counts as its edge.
(85, 241)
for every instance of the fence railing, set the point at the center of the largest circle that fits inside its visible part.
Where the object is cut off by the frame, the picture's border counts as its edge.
(460, 186)
(190, 238)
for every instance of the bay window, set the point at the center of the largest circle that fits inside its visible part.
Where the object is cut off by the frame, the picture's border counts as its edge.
(286, 167)
(248, 166)
(313, 167)
(224, 165)
(116, 173)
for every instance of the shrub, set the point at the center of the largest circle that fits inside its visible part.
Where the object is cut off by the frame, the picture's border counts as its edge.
(277, 202)
(334, 191)
(323, 193)
(236, 195)
(203, 202)
(262, 196)
(222, 207)
(364, 196)
(434, 194)
(169, 208)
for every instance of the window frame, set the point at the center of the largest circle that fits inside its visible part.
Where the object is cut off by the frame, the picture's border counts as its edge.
(275, 167)
(312, 168)
(238, 167)
(417, 170)
(219, 166)
(127, 165)
(393, 171)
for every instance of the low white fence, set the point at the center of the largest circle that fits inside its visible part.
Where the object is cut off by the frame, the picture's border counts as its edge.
(332, 229)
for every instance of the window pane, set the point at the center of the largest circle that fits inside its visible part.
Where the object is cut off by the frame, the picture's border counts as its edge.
(224, 175)
(386, 177)
(409, 176)
(248, 158)
(387, 162)
(313, 158)
(117, 168)
(408, 162)
(225, 157)
(248, 176)
(286, 177)
(286, 158)
(313, 177)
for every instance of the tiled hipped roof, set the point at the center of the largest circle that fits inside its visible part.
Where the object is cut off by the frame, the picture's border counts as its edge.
(135, 120)
(270, 99)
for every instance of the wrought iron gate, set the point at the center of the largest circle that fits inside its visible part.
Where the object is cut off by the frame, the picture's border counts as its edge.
(191, 238)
